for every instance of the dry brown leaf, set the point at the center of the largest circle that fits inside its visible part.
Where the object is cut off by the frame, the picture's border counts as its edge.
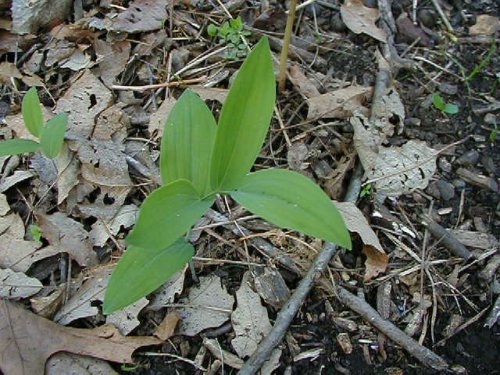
(17, 177)
(27, 341)
(126, 319)
(158, 119)
(140, 16)
(112, 125)
(112, 59)
(211, 93)
(305, 86)
(13, 225)
(29, 16)
(19, 255)
(15, 285)
(103, 230)
(338, 104)
(485, 25)
(360, 19)
(207, 305)
(297, 155)
(167, 292)
(47, 306)
(68, 235)
(334, 184)
(84, 101)
(69, 168)
(377, 260)
(4, 205)
(166, 328)
(250, 320)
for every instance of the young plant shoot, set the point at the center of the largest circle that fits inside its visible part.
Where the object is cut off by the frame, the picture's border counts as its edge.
(51, 134)
(200, 159)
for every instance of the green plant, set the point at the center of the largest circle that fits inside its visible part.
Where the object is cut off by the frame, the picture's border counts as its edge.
(36, 232)
(366, 191)
(231, 34)
(439, 103)
(200, 159)
(50, 134)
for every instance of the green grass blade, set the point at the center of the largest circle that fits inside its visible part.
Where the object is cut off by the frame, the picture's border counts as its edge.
(18, 146)
(290, 200)
(188, 141)
(166, 214)
(244, 119)
(141, 271)
(32, 112)
(52, 135)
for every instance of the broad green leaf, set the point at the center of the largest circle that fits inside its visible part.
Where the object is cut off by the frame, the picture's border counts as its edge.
(244, 119)
(289, 199)
(18, 146)
(32, 112)
(451, 108)
(166, 214)
(438, 102)
(52, 135)
(141, 271)
(187, 142)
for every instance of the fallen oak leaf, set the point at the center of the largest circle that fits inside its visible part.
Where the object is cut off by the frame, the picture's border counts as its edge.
(27, 341)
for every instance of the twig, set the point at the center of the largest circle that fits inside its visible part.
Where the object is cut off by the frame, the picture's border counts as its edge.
(446, 238)
(424, 355)
(160, 85)
(288, 312)
(442, 15)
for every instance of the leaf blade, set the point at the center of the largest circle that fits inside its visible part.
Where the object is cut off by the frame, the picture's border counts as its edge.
(289, 199)
(18, 146)
(244, 119)
(166, 214)
(32, 112)
(188, 142)
(52, 135)
(141, 271)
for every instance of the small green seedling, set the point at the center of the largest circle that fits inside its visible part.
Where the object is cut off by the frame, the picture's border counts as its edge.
(366, 191)
(50, 134)
(199, 160)
(231, 34)
(440, 104)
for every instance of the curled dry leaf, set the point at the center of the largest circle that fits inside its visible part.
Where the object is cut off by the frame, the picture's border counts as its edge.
(341, 103)
(360, 19)
(207, 305)
(27, 341)
(157, 119)
(16, 285)
(376, 258)
(112, 59)
(166, 328)
(485, 25)
(19, 255)
(250, 320)
(305, 86)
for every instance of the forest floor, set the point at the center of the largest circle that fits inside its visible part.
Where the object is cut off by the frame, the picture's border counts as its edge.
(409, 92)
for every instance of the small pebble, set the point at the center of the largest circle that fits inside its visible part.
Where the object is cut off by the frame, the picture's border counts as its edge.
(459, 183)
(433, 190)
(448, 88)
(446, 190)
(445, 165)
(488, 164)
(469, 159)
(490, 119)
(413, 121)
(337, 24)
(427, 17)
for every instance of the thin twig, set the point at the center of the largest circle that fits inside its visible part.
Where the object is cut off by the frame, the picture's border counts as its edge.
(160, 85)
(286, 43)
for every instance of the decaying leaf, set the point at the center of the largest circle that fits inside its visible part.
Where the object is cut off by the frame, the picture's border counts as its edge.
(305, 86)
(141, 15)
(103, 230)
(84, 101)
(112, 59)
(271, 287)
(111, 125)
(250, 320)
(4, 205)
(167, 292)
(29, 16)
(157, 119)
(15, 285)
(376, 258)
(27, 341)
(19, 255)
(361, 19)
(17, 177)
(47, 306)
(67, 363)
(126, 319)
(69, 170)
(68, 235)
(394, 170)
(341, 103)
(207, 305)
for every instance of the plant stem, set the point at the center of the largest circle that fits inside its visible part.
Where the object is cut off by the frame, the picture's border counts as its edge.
(286, 44)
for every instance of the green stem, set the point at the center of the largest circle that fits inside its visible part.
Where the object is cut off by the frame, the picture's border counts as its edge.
(286, 44)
